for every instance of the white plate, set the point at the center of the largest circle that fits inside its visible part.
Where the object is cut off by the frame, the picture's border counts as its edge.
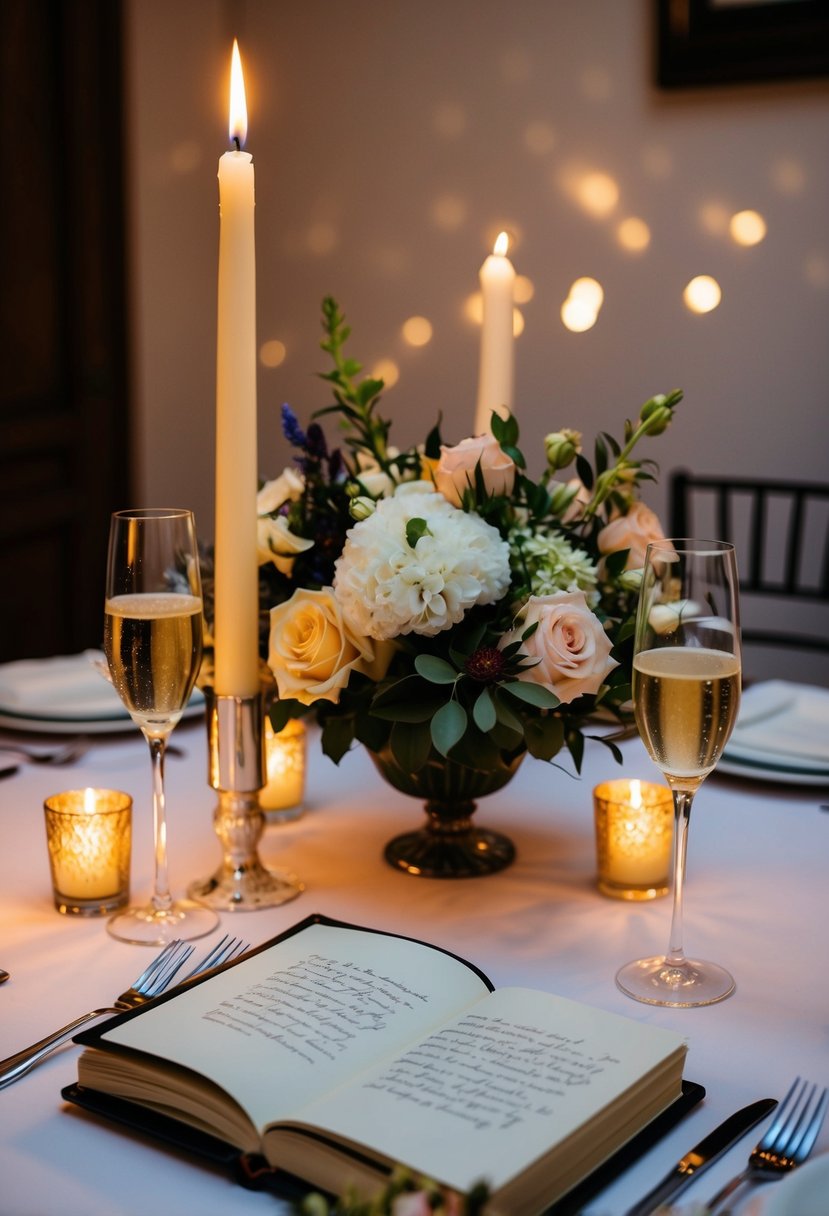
(109, 725)
(783, 724)
(803, 1192)
(65, 695)
(764, 772)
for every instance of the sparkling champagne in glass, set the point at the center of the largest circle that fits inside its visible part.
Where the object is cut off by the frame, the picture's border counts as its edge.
(686, 693)
(153, 645)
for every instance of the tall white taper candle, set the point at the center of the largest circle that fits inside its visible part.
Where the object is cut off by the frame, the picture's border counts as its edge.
(496, 376)
(236, 574)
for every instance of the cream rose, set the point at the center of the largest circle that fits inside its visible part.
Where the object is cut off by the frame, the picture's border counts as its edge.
(313, 651)
(455, 472)
(633, 531)
(572, 648)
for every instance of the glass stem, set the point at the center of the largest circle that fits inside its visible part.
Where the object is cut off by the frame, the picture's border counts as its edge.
(682, 814)
(162, 900)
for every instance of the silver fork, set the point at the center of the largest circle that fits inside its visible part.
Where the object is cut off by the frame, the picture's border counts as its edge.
(151, 983)
(68, 753)
(787, 1142)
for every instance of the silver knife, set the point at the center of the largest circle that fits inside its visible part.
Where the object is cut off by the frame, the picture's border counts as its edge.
(703, 1154)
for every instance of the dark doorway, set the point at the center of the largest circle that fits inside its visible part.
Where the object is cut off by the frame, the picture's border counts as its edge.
(64, 409)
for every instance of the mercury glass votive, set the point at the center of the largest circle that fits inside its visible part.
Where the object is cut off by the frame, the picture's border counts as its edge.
(89, 834)
(282, 796)
(634, 835)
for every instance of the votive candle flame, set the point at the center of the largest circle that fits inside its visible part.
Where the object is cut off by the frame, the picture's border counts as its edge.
(634, 834)
(88, 833)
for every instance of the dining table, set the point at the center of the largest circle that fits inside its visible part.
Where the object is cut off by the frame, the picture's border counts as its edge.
(756, 901)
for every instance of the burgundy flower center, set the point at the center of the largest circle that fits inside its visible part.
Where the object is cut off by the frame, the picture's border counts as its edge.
(486, 663)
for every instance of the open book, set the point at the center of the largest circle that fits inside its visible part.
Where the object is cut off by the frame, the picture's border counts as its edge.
(336, 1052)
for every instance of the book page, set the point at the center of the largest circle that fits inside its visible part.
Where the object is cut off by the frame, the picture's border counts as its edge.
(488, 1092)
(296, 1020)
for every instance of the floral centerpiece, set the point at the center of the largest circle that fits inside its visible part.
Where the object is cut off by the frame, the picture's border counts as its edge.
(437, 604)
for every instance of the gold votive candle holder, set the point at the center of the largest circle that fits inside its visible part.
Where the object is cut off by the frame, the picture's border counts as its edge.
(283, 794)
(634, 835)
(89, 834)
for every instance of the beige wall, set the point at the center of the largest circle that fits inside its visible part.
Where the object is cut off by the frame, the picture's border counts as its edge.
(392, 139)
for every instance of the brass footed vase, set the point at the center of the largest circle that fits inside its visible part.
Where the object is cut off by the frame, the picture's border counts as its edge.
(448, 845)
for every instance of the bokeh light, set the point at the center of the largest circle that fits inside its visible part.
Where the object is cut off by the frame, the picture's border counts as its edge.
(387, 371)
(417, 331)
(523, 289)
(747, 228)
(473, 308)
(272, 353)
(714, 218)
(633, 234)
(577, 315)
(580, 310)
(448, 212)
(539, 138)
(598, 194)
(590, 291)
(321, 238)
(702, 294)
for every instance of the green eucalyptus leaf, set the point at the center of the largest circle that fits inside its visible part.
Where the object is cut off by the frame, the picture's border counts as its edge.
(505, 715)
(483, 712)
(281, 712)
(515, 454)
(544, 736)
(411, 699)
(575, 745)
(448, 726)
(411, 744)
(584, 471)
(532, 693)
(435, 670)
(337, 737)
(431, 449)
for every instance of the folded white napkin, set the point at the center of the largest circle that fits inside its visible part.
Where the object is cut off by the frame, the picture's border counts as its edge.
(66, 686)
(783, 720)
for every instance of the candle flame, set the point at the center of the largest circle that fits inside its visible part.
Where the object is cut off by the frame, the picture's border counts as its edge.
(89, 800)
(238, 125)
(636, 794)
(501, 245)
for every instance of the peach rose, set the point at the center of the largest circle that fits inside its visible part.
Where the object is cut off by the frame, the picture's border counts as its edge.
(455, 472)
(312, 651)
(572, 648)
(633, 531)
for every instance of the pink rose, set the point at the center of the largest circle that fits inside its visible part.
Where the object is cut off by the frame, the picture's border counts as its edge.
(633, 531)
(572, 648)
(455, 472)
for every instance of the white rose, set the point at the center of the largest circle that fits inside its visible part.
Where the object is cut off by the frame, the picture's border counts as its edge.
(277, 543)
(572, 648)
(288, 487)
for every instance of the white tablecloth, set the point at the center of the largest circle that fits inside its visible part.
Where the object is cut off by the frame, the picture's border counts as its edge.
(756, 901)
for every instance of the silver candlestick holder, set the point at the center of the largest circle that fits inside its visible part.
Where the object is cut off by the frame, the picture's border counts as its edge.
(236, 770)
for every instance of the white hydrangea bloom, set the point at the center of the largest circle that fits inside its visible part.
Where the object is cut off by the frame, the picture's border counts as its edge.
(387, 587)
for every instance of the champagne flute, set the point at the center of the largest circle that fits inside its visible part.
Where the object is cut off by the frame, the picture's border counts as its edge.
(153, 645)
(686, 693)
